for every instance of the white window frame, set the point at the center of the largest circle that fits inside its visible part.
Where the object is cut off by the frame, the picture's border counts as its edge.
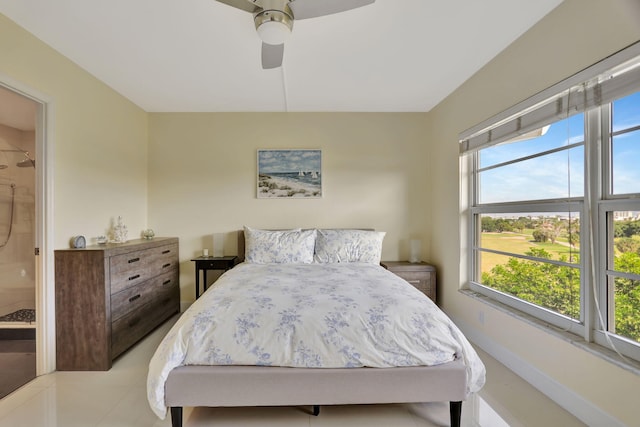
(609, 202)
(575, 95)
(553, 205)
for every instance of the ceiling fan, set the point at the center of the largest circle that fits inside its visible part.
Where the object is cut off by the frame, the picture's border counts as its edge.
(274, 20)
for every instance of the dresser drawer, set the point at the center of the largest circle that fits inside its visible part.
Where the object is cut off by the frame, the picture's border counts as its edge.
(424, 285)
(128, 329)
(136, 296)
(413, 276)
(129, 269)
(421, 275)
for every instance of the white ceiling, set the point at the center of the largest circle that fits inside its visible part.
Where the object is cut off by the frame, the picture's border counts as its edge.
(204, 56)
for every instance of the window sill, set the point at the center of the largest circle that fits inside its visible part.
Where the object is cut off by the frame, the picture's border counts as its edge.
(610, 356)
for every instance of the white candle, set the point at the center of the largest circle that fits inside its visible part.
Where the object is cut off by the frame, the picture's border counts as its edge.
(205, 252)
(415, 250)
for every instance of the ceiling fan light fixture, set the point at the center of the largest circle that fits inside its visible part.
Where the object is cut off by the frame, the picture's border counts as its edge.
(273, 26)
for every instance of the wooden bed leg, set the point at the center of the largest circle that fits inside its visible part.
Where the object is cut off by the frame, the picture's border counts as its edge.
(316, 410)
(455, 409)
(176, 416)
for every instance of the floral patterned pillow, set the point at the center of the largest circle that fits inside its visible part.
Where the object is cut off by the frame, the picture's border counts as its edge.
(348, 246)
(287, 246)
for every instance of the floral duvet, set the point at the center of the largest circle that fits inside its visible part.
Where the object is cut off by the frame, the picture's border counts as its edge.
(342, 315)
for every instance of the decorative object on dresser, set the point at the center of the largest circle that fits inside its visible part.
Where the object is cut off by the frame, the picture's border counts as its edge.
(148, 233)
(78, 242)
(120, 231)
(109, 296)
(421, 275)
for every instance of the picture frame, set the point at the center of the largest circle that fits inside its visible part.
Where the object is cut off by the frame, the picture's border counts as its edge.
(289, 174)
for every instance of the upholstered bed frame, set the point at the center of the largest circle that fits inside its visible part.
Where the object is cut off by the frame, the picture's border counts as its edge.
(233, 386)
(230, 386)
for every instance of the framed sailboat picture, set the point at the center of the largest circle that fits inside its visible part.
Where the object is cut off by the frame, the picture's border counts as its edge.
(289, 174)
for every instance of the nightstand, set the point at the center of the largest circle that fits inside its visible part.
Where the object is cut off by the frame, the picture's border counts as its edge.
(204, 263)
(420, 274)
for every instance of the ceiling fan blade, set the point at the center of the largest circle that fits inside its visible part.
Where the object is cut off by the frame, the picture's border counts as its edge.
(272, 55)
(304, 9)
(245, 5)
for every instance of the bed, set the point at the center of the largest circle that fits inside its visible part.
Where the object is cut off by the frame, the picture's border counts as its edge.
(311, 318)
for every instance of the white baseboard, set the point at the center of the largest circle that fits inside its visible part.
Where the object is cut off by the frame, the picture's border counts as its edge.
(584, 410)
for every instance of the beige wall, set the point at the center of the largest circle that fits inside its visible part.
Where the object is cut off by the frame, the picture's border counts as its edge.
(99, 139)
(575, 35)
(202, 177)
(393, 172)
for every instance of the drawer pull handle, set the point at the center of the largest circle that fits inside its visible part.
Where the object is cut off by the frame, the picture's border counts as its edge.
(134, 322)
(166, 252)
(166, 282)
(134, 277)
(132, 260)
(166, 265)
(133, 298)
(414, 281)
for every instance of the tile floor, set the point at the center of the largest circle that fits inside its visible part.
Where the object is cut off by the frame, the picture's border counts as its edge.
(17, 364)
(118, 398)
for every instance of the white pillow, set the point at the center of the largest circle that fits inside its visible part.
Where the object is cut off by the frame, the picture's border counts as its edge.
(287, 246)
(349, 246)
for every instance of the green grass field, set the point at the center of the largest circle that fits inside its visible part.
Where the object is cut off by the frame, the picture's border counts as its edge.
(518, 243)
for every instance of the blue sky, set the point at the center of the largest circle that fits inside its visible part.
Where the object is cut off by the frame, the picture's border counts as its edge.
(560, 175)
(282, 161)
(626, 147)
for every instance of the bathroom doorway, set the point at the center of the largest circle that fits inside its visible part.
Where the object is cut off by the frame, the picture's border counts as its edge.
(18, 237)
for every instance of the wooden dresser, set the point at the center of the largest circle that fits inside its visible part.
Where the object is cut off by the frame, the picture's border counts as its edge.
(109, 296)
(419, 274)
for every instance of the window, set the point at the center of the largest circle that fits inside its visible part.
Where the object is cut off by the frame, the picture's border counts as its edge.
(620, 220)
(554, 209)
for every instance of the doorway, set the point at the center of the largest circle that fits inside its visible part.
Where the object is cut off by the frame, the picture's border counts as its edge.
(27, 321)
(17, 240)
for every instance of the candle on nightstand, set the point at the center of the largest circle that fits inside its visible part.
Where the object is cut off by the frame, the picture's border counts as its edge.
(415, 247)
(205, 252)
